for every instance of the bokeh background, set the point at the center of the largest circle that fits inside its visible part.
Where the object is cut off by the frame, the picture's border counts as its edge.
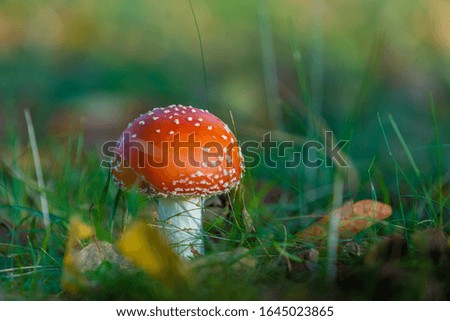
(89, 67)
(370, 71)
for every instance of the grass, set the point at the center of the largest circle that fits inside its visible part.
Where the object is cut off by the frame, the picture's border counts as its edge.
(252, 250)
(262, 216)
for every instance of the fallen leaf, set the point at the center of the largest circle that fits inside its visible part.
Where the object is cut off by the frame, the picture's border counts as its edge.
(354, 218)
(91, 256)
(72, 278)
(145, 248)
(140, 246)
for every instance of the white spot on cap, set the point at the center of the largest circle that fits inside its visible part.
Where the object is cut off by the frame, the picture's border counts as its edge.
(142, 122)
(189, 118)
(199, 174)
(166, 111)
(176, 121)
(210, 127)
(150, 113)
(224, 137)
(206, 149)
(200, 119)
(133, 136)
(204, 165)
(226, 184)
(171, 132)
(197, 124)
(158, 130)
(183, 112)
(216, 176)
(193, 110)
(155, 118)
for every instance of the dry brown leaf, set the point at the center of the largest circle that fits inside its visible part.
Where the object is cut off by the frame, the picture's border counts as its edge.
(355, 217)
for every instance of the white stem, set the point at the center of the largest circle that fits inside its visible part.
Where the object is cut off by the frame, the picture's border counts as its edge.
(181, 220)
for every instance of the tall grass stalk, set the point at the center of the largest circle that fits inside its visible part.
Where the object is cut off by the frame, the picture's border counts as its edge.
(316, 81)
(202, 53)
(39, 174)
(269, 64)
(439, 160)
(413, 164)
(333, 226)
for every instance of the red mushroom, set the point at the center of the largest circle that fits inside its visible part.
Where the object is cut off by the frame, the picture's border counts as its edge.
(182, 154)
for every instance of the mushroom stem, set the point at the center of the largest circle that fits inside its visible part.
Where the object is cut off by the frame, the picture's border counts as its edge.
(181, 220)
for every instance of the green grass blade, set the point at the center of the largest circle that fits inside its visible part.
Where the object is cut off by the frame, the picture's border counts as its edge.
(202, 53)
(391, 155)
(412, 162)
(112, 216)
(439, 160)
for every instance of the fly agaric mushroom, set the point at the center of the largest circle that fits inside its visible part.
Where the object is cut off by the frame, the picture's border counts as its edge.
(181, 154)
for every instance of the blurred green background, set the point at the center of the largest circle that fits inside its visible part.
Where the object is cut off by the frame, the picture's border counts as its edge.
(90, 67)
(86, 68)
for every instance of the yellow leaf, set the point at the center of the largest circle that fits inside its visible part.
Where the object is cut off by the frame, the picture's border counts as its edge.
(79, 230)
(71, 278)
(143, 246)
(140, 246)
(354, 218)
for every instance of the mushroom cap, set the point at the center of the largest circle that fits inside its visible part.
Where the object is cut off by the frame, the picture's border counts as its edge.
(178, 151)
